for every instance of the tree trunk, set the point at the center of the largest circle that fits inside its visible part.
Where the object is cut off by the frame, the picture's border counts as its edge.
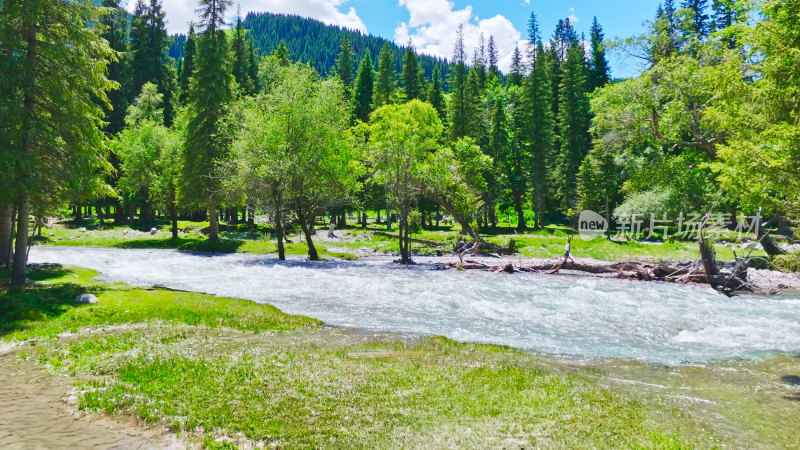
(213, 219)
(312, 250)
(251, 214)
(5, 234)
(19, 268)
(173, 216)
(769, 244)
(438, 217)
(364, 220)
(278, 216)
(388, 220)
(608, 220)
(521, 225)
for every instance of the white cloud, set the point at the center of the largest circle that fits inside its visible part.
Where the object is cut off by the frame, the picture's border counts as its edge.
(573, 19)
(433, 25)
(181, 12)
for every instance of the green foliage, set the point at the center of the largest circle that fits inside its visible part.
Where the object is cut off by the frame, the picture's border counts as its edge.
(242, 59)
(149, 154)
(573, 124)
(296, 153)
(344, 64)
(115, 22)
(598, 67)
(206, 149)
(187, 64)
(362, 97)
(385, 80)
(319, 44)
(436, 96)
(787, 263)
(411, 74)
(149, 60)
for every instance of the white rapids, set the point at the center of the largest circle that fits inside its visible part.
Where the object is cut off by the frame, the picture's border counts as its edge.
(580, 317)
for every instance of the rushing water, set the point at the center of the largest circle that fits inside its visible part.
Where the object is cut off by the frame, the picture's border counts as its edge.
(573, 316)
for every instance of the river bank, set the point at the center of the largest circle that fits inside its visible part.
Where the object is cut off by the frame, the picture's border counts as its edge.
(219, 370)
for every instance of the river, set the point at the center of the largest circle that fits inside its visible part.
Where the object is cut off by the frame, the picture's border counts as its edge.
(581, 317)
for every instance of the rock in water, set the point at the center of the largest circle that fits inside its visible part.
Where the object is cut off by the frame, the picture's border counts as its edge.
(86, 298)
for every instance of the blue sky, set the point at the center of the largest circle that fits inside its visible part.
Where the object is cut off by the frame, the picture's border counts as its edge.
(431, 24)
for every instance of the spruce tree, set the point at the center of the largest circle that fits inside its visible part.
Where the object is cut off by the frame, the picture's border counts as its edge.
(54, 62)
(459, 122)
(282, 53)
(491, 52)
(116, 33)
(479, 62)
(573, 126)
(187, 66)
(411, 74)
(241, 59)
(252, 66)
(699, 25)
(517, 69)
(385, 80)
(598, 67)
(207, 146)
(149, 60)
(344, 64)
(538, 125)
(436, 95)
(362, 96)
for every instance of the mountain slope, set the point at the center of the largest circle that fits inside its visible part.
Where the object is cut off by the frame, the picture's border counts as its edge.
(312, 41)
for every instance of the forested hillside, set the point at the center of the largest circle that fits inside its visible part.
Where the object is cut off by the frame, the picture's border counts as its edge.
(312, 41)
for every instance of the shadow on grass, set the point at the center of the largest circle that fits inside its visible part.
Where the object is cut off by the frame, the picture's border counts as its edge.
(39, 301)
(186, 244)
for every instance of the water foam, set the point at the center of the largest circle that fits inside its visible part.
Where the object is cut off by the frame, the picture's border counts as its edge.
(573, 316)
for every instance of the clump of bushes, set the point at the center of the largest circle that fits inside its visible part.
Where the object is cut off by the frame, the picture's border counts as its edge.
(787, 263)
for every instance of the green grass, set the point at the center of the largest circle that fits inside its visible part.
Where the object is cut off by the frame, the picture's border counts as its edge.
(547, 243)
(216, 369)
(47, 309)
(90, 233)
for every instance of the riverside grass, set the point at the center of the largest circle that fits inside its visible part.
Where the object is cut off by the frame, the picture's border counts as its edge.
(547, 243)
(229, 372)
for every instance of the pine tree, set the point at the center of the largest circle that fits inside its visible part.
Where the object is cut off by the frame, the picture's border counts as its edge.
(537, 125)
(282, 53)
(411, 74)
(385, 81)
(517, 70)
(149, 60)
(699, 26)
(53, 146)
(241, 59)
(116, 33)
(459, 122)
(573, 126)
(664, 41)
(479, 62)
(564, 38)
(187, 66)
(362, 96)
(208, 141)
(436, 95)
(725, 15)
(252, 66)
(598, 68)
(344, 64)
(491, 52)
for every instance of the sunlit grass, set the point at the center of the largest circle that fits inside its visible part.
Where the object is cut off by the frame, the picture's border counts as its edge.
(222, 368)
